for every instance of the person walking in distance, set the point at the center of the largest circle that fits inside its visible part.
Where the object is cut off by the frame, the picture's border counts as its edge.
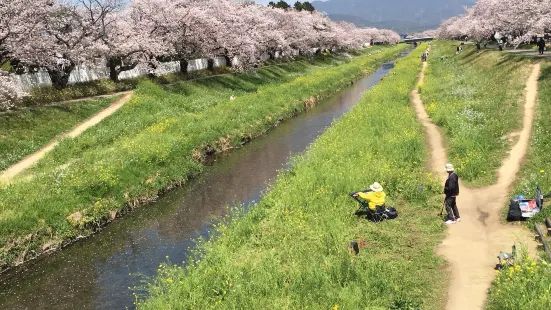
(451, 190)
(541, 46)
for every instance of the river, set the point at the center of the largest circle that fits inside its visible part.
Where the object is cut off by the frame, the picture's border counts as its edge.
(101, 272)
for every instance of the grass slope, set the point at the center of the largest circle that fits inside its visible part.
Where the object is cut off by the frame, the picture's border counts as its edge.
(290, 250)
(24, 132)
(476, 98)
(27, 130)
(154, 142)
(536, 169)
(528, 285)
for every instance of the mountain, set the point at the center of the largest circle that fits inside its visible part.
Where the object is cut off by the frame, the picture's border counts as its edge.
(396, 25)
(399, 15)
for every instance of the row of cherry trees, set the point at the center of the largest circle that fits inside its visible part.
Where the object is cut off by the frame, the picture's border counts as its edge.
(518, 21)
(57, 35)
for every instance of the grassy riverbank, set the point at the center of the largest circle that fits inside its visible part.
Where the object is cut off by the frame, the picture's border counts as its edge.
(477, 99)
(528, 285)
(154, 142)
(290, 250)
(24, 132)
(27, 130)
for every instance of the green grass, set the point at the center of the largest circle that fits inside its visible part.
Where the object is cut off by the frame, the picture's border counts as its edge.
(536, 169)
(49, 94)
(290, 250)
(477, 99)
(525, 286)
(26, 131)
(528, 286)
(154, 142)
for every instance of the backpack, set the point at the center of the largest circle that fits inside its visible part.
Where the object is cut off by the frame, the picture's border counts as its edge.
(391, 213)
(514, 214)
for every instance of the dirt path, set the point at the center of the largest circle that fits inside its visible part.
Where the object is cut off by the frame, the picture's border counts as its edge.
(471, 246)
(30, 160)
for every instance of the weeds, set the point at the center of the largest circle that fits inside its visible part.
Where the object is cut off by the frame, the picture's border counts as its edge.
(48, 94)
(154, 142)
(24, 132)
(536, 169)
(477, 99)
(290, 250)
(526, 285)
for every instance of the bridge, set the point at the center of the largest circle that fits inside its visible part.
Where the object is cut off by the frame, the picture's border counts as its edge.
(415, 40)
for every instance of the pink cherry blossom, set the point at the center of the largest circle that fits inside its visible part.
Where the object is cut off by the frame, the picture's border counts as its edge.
(518, 21)
(59, 35)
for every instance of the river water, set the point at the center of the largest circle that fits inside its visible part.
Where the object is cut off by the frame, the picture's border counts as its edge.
(101, 272)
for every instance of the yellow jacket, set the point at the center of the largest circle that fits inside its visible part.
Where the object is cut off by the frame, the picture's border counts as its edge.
(375, 198)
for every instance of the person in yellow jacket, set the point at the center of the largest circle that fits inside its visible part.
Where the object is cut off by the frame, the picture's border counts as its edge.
(375, 197)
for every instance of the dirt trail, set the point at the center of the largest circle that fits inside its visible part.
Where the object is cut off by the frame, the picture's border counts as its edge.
(30, 160)
(471, 246)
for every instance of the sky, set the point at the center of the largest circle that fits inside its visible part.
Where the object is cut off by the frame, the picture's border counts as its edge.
(291, 2)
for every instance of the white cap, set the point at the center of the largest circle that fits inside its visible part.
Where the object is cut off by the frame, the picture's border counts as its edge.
(376, 187)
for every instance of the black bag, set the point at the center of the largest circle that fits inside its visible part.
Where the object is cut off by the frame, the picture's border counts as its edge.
(515, 214)
(391, 213)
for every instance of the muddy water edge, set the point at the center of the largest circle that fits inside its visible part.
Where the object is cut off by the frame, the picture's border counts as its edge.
(107, 269)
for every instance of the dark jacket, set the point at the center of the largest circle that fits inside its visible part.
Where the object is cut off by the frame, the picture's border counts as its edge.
(451, 188)
(541, 43)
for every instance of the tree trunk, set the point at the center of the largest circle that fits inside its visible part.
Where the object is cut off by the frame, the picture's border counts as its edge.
(113, 72)
(210, 64)
(184, 64)
(116, 66)
(60, 77)
(229, 62)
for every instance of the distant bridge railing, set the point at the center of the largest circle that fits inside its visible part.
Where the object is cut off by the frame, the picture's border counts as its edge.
(414, 40)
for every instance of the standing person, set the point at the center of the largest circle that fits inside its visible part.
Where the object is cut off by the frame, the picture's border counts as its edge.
(541, 45)
(457, 51)
(451, 190)
(478, 46)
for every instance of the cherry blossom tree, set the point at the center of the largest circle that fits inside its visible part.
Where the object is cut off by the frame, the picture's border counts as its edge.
(58, 35)
(9, 93)
(136, 36)
(69, 35)
(17, 19)
(519, 21)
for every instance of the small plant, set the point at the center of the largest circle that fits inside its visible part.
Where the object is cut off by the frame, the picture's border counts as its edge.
(525, 285)
(404, 303)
